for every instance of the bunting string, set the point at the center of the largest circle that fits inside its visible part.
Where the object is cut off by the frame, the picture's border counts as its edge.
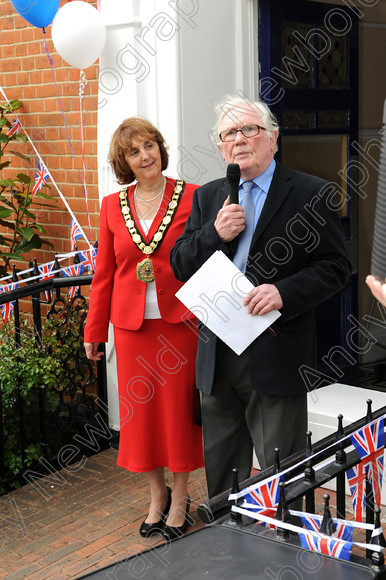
(87, 258)
(47, 271)
(47, 170)
(236, 496)
(298, 530)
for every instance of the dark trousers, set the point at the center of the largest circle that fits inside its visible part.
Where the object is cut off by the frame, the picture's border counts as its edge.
(236, 419)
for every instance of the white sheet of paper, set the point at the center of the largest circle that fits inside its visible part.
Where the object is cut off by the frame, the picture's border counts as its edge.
(215, 293)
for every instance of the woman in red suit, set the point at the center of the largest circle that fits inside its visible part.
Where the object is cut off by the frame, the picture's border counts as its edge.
(155, 342)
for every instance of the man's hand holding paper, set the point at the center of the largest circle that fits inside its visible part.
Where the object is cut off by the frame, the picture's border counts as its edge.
(220, 296)
(263, 299)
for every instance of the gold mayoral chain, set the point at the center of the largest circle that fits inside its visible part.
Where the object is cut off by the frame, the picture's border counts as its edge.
(145, 270)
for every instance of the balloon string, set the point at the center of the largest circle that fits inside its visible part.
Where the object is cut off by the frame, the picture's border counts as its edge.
(49, 56)
(65, 125)
(82, 84)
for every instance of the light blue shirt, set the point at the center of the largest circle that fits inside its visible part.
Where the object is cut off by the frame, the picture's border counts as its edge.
(263, 181)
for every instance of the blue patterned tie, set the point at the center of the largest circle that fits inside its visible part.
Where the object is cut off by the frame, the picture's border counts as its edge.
(245, 238)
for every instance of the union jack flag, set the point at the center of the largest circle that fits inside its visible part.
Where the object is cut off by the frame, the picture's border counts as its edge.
(76, 233)
(6, 309)
(326, 545)
(42, 175)
(356, 478)
(370, 442)
(46, 274)
(73, 270)
(264, 499)
(14, 128)
(87, 257)
(343, 529)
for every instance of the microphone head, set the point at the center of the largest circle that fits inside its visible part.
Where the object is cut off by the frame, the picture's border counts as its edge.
(233, 177)
(233, 173)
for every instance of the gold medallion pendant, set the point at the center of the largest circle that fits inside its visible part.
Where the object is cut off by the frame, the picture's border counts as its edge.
(145, 270)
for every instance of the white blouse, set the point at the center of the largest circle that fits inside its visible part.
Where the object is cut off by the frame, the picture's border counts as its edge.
(151, 305)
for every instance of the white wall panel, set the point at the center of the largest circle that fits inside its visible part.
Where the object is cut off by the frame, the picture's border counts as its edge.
(171, 61)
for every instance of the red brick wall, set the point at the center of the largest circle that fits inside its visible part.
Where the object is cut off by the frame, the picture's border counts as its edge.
(25, 73)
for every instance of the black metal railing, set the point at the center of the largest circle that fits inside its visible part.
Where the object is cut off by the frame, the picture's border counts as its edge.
(326, 460)
(50, 425)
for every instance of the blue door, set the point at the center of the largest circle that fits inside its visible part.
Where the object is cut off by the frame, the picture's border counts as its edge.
(308, 54)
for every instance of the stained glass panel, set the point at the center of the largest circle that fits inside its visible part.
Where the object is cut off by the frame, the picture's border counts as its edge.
(296, 61)
(332, 63)
(297, 120)
(333, 119)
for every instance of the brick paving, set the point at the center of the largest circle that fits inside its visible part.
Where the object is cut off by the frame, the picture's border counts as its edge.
(82, 519)
(69, 524)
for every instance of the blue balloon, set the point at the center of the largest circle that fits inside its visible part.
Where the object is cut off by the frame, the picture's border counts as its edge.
(40, 13)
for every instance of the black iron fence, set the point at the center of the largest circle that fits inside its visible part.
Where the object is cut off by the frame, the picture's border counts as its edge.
(326, 460)
(53, 400)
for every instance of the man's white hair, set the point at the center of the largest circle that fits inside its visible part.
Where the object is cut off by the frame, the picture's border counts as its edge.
(233, 105)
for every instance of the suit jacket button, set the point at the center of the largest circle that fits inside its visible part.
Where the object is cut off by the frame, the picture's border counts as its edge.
(161, 291)
(157, 269)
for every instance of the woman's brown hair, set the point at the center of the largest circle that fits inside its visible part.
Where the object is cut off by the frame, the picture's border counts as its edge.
(129, 129)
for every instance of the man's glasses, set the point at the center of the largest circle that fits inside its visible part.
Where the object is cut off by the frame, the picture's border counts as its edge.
(248, 131)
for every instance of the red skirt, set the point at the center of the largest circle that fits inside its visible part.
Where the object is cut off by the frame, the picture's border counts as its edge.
(158, 398)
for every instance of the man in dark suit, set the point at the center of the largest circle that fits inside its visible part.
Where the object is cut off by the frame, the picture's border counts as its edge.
(296, 260)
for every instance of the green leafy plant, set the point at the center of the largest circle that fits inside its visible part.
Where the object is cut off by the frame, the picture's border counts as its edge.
(21, 230)
(23, 371)
(35, 368)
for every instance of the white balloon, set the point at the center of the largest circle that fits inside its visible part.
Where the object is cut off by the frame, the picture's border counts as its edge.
(78, 33)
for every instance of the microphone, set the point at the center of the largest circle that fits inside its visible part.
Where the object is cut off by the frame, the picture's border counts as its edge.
(233, 177)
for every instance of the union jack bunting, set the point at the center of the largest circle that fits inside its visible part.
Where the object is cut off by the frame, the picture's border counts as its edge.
(14, 128)
(343, 531)
(326, 545)
(73, 270)
(76, 233)
(41, 177)
(370, 442)
(87, 257)
(46, 274)
(356, 479)
(264, 499)
(6, 309)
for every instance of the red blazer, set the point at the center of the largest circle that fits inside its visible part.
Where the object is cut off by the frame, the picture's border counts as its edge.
(116, 294)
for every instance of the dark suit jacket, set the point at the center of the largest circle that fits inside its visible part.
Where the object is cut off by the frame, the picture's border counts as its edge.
(298, 246)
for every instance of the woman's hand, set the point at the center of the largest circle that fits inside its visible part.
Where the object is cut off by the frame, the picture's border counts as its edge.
(92, 351)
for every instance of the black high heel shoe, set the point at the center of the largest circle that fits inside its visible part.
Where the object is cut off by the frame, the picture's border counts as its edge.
(172, 532)
(146, 530)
